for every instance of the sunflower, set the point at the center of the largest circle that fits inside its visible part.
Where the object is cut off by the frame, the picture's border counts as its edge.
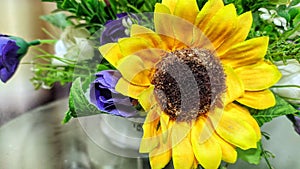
(192, 76)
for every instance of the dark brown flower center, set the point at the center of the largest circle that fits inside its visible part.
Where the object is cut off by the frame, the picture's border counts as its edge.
(188, 83)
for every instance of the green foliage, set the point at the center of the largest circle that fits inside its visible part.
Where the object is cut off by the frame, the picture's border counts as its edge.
(93, 14)
(283, 50)
(78, 104)
(45, 74)
(280, 109)
(57, 19)
(252, 156)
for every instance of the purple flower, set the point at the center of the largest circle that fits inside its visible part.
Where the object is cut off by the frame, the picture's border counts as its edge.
(107, 99)
(12, 49)
(295, 120)
(9, 57)
(119, 28)
(297, 124)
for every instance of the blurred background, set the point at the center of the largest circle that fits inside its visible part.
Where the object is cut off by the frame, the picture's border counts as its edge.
(21, 18)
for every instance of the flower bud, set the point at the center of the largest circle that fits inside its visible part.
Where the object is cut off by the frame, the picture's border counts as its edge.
(290, 76)
(107, 99)
(12, 49)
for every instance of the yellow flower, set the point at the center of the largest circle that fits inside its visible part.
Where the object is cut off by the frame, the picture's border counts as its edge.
(189, 74)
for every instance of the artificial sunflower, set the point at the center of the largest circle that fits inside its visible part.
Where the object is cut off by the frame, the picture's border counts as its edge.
(192, 75)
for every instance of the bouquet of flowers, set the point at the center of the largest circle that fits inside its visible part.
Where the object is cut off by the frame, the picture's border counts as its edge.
(204, 75)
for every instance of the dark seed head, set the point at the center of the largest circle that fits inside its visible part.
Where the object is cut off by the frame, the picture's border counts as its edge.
(188, 83)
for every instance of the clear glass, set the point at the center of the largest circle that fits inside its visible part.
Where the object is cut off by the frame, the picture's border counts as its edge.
(38, 139)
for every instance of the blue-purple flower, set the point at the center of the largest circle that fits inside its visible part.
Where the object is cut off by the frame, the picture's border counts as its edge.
(295, 119)
(297, 124)
(10, 55)
(105, 97)
(119, 28)
(9, 58)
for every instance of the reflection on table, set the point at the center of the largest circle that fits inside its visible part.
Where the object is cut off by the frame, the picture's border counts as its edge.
(37, 139)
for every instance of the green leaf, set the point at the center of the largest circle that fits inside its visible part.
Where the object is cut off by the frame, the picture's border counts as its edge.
(294, 12)
(294, 2)
(57, 19)
(78, 103)
(252, 156)
(101, 67)
(285, 14)
(268, 28)
(279, 2)
(296, 20)
(281, 108)
(67, 118)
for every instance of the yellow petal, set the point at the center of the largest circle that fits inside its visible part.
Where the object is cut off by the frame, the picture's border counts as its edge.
(235, 86)
(207, 12)
(147, 34)
(221, 25)
(259, 76)
(150, 138)
(128, 89)
(183, 32)
(235, 131)
(202, 130)
(163, 20)
(229, 153)
(186, 9)
(182, 151)
(138, 30)
(160, 160)
(170, 4)
(146, 98)
(164, 124)
(111, 52)
(258, 99)
(239, 34)
(161, 155)
(208, 153)
(195, 166)
(246, 53)
(133, 70)
(180, 131)
(132, 45)
(244, 115)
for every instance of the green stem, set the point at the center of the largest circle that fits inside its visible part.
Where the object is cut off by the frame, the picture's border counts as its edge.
(134, 8)
(34, 43)
(39, 42)
(289, 98)
(283, 86)
(48, 41)
(265, 157)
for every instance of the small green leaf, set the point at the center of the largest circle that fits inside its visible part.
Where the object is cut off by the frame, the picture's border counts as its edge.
(285, 14)
(78, 103)
(57, 19)
(252, 156)
(294, 2)
(101, 67)
(296, 20)
(294, 12)
(279, 2)
(268, 28)
(67, 118)
(281, 108)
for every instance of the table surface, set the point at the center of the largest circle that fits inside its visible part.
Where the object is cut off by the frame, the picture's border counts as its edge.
(37, 139)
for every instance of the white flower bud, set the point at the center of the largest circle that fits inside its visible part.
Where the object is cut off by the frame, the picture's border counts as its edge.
(290, 76)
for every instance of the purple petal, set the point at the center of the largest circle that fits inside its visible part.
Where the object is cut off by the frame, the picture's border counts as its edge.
(104, 96)
(9, 58)
(297, 124)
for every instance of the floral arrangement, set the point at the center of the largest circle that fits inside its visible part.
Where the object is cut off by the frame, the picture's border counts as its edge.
(204, 75)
